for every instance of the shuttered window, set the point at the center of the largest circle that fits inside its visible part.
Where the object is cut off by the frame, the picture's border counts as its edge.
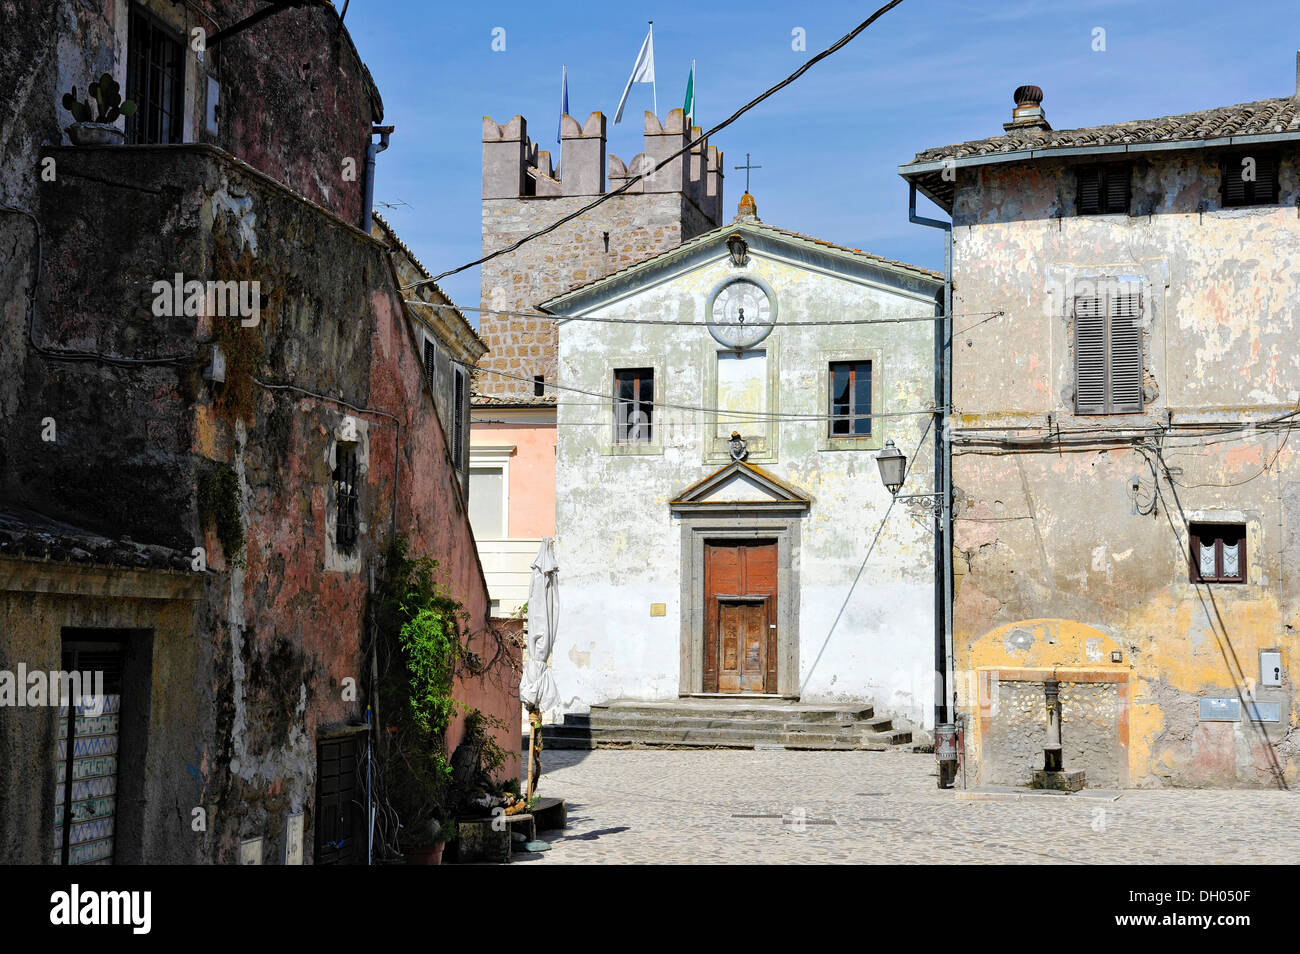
(431, 365)
(458, 418)
(1250, 179)
(1103, 189)
(1108, 353)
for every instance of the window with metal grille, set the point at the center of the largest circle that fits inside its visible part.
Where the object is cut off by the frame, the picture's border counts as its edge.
(1250, 179)
(155, 79)
(459, 415)
(87, 752)
(1218, 552)
(346, 497)
(1108, 353)
(850, 403)
(634, 394)
(1103, 189)
(539, 385)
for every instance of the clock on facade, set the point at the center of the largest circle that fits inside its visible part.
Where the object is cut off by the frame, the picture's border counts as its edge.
(741, 312)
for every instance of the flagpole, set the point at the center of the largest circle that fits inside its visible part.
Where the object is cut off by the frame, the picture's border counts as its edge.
(654, 89)
(695, 110)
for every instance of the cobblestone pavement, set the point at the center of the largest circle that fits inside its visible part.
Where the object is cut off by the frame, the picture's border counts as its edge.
(774, 806)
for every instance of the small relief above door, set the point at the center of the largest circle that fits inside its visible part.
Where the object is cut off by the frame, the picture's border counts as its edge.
(742, 627)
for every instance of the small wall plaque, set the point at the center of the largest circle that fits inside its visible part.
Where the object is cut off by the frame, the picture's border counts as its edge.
(1220, 710)
(658, 609)
(1264, 711)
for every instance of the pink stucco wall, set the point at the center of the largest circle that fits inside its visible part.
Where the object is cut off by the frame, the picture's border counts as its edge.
(532, 474)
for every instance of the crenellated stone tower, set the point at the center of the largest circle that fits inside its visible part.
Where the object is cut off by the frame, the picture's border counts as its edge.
(523, 193)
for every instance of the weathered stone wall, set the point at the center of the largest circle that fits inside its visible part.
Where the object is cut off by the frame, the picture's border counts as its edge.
(682, 200)
(1013, 747)
(1049, 532)
(638, 226)
(279, 629)
(295, 101)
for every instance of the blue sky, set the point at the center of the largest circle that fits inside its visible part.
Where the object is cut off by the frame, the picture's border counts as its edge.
(928, 73)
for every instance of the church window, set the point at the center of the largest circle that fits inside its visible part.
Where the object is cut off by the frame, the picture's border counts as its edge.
(850, 399)
(634, 394)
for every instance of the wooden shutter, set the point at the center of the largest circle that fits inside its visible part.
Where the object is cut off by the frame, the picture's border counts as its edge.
(1108, 353)
(458, 422)
(1125, 353)
(1089, 355)
(1089, 190)
(430, 365)
(1234, 186)
(1265, 191)
(1116, 184)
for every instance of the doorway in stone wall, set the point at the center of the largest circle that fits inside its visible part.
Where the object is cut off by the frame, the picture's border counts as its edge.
(740, 617)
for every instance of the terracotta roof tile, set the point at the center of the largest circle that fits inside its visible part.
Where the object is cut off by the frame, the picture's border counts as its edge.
(1245, 119)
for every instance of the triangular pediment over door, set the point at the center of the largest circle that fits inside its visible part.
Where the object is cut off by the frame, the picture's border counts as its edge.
(740, 488)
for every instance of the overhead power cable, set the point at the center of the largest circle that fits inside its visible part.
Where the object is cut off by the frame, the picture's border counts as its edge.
(700, 324)
(513, 246)
(724, 412)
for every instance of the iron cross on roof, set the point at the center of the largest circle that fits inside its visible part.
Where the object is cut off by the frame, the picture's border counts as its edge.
(747, 166)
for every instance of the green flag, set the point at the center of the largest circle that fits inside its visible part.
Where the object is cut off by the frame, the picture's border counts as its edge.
(689, 106)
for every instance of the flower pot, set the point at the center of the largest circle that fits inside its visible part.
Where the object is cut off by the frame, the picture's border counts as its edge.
(424, 854)
(95, 134)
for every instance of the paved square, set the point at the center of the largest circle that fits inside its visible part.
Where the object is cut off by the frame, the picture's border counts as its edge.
(775, 806)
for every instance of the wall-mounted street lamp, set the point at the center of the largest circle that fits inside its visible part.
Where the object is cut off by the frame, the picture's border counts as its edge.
(893, 469)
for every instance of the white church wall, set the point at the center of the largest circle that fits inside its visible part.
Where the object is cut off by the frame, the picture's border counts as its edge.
(620, 547)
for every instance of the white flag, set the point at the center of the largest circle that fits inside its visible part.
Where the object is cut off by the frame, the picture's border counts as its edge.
(643, 72)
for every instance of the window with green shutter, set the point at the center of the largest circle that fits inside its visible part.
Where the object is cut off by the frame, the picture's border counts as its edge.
(1108, 353)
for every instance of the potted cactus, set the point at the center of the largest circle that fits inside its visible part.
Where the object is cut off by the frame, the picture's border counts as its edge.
(96, 128)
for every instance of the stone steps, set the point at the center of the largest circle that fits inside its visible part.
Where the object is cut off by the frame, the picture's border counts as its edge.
(708, 723)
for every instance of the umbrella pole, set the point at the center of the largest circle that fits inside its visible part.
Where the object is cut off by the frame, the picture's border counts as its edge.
(534, 751)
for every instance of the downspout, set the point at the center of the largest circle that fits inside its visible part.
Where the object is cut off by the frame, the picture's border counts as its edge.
(372, 149)
(942, 475)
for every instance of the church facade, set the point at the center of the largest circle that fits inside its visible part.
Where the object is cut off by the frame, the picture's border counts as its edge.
(722, 404)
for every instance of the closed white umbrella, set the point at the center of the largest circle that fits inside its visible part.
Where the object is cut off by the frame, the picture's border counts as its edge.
(537, 689)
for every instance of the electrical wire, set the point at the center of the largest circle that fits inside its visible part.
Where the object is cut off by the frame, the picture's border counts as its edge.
(730, 414)
(893, 499)
(698, 324)
(1220, 631)
(813, 61)
(67, 354)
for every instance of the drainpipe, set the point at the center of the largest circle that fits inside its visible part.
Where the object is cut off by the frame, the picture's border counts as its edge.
(372, 149)
(942, 481)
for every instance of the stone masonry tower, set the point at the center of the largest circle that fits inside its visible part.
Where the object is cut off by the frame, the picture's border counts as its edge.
(521, 194)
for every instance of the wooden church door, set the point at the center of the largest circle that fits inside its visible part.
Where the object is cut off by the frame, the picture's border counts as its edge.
(740, 617)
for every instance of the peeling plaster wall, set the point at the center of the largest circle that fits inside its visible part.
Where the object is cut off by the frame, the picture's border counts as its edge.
(1046, 540)
(277, 633)
(620, 548)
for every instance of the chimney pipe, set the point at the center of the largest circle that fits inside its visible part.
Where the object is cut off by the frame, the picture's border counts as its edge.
(1028, 114)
